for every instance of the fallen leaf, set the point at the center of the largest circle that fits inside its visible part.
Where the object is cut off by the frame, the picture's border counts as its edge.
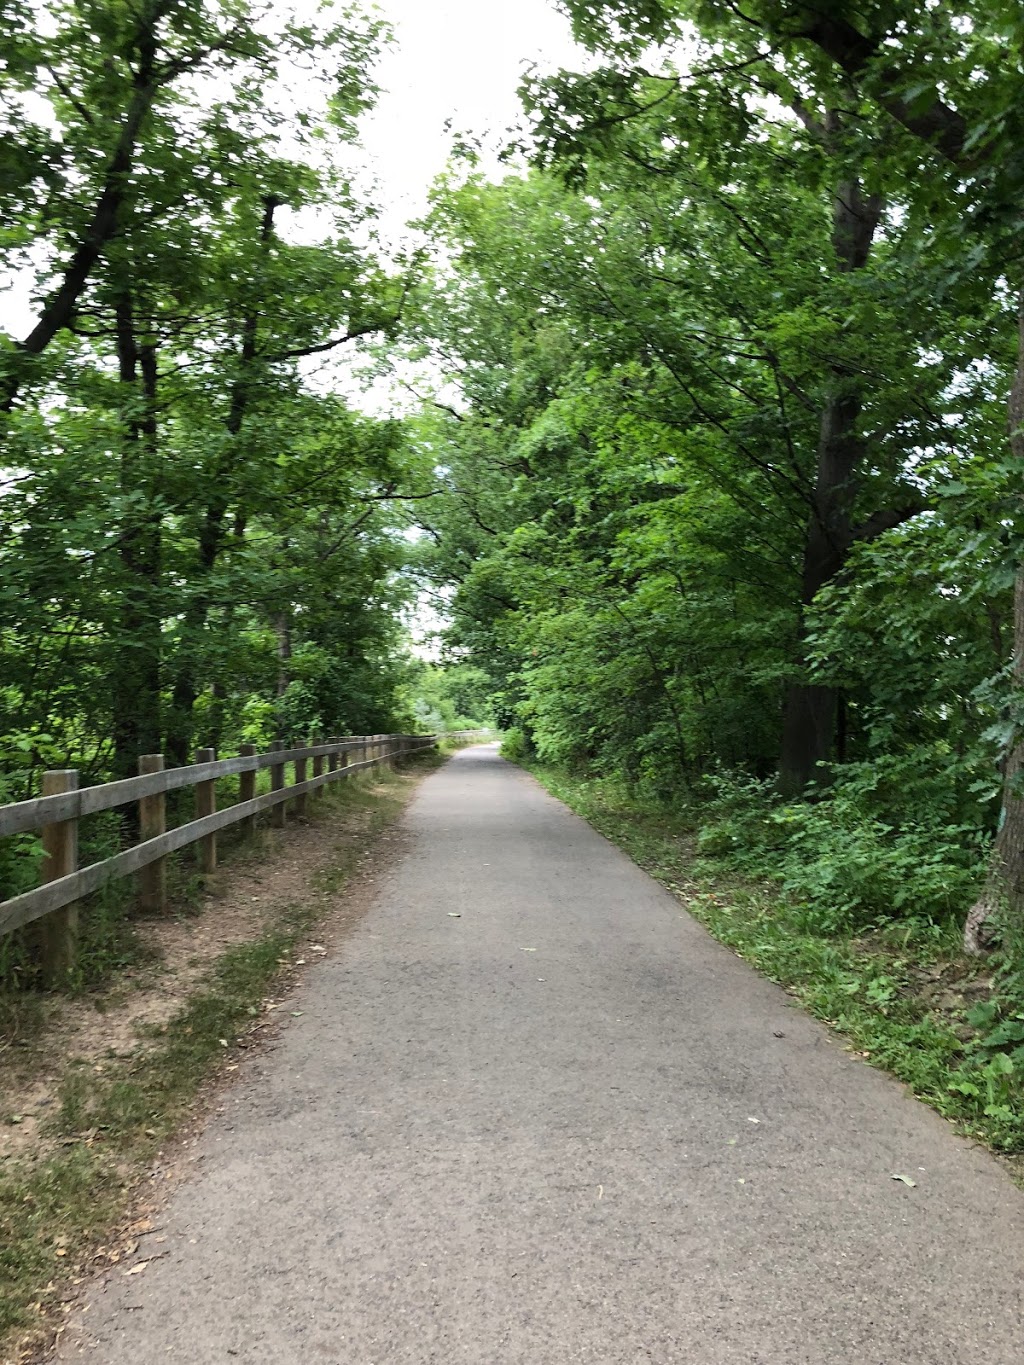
(454, 914)
(136, 1268)
(906, 1181)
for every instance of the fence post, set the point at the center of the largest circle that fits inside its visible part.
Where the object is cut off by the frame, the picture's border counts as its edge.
(206, 804)
(153, 821)
(318, 764)
(300, 776)
(278, 814)
(55, 936)
(247, 789)
(332, 759)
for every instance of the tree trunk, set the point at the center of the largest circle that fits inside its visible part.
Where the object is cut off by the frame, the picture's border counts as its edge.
(1005, 882)
(809, 724)
(135, 676)
(104, 221)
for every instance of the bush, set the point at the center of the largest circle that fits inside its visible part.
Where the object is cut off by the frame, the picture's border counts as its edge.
(836, 853)
(515, 746)
(736, 824)
(851, 870)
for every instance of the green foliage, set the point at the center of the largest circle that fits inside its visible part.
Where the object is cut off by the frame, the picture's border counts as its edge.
(872, 847)
(445, 697)
(515, 746)
(849, 870)
(200, 540)
(728, 483)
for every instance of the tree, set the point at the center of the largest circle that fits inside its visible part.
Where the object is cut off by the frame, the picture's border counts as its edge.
(919, 65)
(177, 481)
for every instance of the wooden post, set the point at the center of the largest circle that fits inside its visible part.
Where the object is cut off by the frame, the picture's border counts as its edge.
(300, 776)
(278, 814)
(247, 789)
(206, 804)
(153, 821)
(55, 936)
(318, 764)
(332, 759)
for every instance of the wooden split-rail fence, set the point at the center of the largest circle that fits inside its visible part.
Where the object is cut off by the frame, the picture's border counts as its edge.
(63, 803)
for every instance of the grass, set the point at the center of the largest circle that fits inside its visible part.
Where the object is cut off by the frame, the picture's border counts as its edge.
(902, 994)
(110, 1122)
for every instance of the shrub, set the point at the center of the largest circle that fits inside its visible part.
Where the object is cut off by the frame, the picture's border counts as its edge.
(515, 746)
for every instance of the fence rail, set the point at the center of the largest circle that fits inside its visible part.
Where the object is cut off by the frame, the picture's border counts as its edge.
(63, 803)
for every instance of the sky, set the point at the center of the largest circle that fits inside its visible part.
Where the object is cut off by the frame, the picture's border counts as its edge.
(457, 61)
(453, 59)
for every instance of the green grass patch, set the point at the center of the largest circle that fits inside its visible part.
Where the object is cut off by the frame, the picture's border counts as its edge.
(899, 992)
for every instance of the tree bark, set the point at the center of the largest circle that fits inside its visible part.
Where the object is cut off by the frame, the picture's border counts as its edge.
(135, 676)
(283, 631)
(809, 723)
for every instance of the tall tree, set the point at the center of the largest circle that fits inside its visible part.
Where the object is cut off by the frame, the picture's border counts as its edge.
(940, 75)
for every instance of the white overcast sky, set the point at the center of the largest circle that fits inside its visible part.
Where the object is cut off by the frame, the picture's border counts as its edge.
(458, 60)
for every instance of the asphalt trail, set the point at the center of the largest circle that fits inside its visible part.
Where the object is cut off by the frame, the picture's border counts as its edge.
(564, 1126)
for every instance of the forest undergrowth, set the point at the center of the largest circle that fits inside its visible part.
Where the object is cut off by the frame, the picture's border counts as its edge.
(874, 953)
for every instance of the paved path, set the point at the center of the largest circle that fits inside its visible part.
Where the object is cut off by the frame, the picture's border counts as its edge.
(564, 1127)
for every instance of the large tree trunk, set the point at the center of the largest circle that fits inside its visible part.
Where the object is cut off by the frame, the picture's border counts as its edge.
(809, 725)
(1005, 882)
